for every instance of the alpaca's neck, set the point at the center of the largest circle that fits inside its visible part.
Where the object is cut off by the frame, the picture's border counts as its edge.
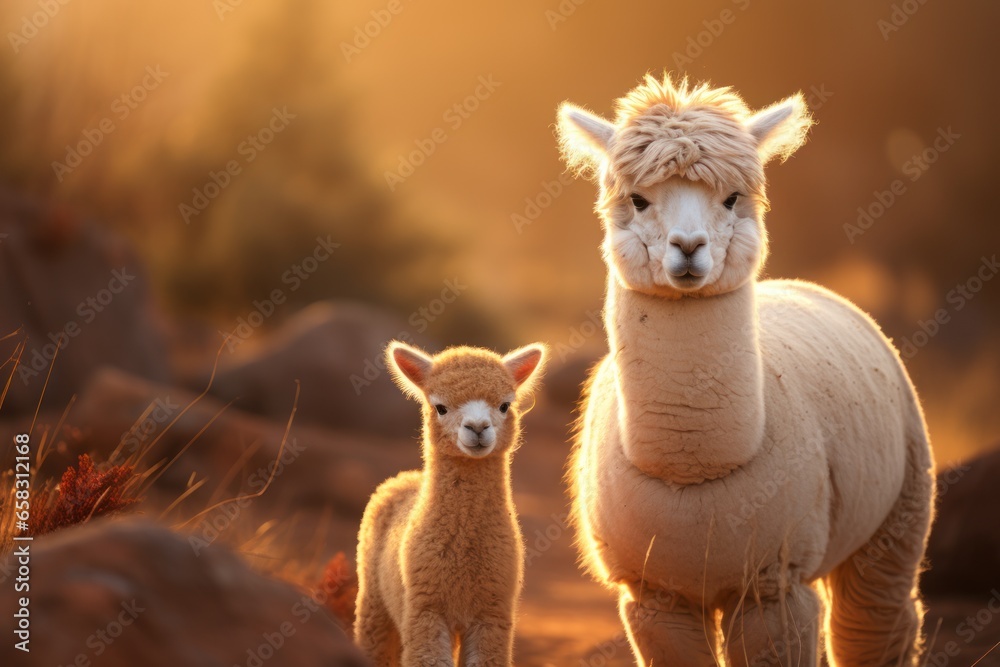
(467, 489)
(689, 379)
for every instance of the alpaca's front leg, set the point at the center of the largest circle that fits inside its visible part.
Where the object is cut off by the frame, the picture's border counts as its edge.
(664, 629)
(781, 629)
(488, 644)
(374, 631)
(427, 641)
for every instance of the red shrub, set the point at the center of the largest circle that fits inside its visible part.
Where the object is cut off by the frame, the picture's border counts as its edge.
(338, 590)
(83, 493)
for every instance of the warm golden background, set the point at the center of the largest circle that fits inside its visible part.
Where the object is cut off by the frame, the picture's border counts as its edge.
(230, 63)
(882, 93)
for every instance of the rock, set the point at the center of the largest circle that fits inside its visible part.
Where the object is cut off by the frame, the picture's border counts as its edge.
(131, 592)
(964, 547)
(335, 351)
(62, 276)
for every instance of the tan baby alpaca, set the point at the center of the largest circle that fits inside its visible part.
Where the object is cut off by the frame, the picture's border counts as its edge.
(440, 554)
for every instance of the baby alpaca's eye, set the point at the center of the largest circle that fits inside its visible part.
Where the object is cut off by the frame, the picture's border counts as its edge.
(731, 200)
(639, 202)
(504, 407)
(441, 409)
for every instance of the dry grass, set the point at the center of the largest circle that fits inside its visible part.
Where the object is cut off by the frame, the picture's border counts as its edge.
(84, 492)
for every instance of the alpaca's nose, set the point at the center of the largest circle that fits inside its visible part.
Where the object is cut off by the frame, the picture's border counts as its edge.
(477, 427)
(687, 243)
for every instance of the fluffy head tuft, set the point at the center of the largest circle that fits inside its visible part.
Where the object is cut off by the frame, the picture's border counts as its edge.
(665, 128)
(697, 133)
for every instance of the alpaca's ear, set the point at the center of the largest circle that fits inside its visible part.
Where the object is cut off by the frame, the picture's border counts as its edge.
(525, 364)
(584, 138)
(409, 366)
(781, 128)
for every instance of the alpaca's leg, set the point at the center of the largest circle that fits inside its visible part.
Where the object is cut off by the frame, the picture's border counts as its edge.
(427, 642)
(375, 633)
(781, 627)
(876, 613)
(488, 644)
(664, 629)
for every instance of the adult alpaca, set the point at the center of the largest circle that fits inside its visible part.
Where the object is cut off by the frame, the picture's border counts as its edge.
(743, 441)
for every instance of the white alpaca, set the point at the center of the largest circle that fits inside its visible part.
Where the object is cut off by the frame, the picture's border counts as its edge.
(744, 441)
(440, 554)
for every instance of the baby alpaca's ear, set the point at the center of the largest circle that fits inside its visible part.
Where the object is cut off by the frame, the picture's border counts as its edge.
(410, 367)
(525, 363)
(781, 128)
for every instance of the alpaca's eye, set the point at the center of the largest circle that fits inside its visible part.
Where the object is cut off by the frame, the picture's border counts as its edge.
(504, 407)
(639, 202)
(731, 200)
(441, 409)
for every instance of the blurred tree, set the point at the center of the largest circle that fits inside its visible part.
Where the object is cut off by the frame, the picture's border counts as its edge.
(232, 172)
(280, 119)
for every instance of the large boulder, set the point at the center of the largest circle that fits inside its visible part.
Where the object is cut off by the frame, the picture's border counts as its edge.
(74, 292)
(335, 351)
(964, 547)
(130, 592)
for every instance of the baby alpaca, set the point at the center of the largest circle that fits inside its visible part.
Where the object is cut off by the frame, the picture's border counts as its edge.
(440, 554)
